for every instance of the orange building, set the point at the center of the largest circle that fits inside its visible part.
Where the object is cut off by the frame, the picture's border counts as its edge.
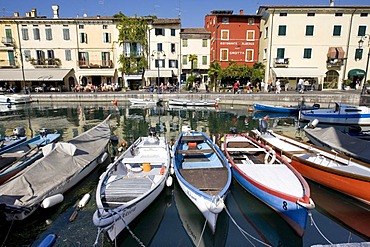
(234, 37)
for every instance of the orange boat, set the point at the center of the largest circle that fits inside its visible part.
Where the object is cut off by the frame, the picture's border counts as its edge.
(336, 171)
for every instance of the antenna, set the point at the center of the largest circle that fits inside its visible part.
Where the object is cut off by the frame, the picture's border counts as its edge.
(155, 9)
(179, 10)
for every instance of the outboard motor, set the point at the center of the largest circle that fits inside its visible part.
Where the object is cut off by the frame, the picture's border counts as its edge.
(19, 131)
(43, 132)
(262, 126)
(152, 132)
(316, 106)
(233, 130)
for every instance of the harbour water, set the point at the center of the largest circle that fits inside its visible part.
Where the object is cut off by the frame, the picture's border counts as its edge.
(172, 220)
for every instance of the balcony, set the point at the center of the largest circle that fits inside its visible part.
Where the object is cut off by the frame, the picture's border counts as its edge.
(281, 62)
(7, 41)
(93, 64)
(46, 63)
(8, 64)
(334, 62)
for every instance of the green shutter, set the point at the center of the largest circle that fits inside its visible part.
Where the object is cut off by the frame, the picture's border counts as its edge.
(358, 54)
(280, 53)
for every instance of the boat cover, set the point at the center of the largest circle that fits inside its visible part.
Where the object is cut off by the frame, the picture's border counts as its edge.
(50, 173)
(342, 142)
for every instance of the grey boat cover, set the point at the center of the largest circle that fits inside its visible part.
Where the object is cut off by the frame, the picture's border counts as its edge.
(62, 163)
(341, 142)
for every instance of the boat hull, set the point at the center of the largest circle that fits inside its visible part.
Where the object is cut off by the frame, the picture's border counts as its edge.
(277, 109)
(204, 103)
(15, 99)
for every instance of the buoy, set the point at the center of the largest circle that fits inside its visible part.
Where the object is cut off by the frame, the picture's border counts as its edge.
(102, 158)
(49, 240)
(52, 200)
(115, 102)
(124, 144)
(162, 170)
(85, 199)
(169, 181)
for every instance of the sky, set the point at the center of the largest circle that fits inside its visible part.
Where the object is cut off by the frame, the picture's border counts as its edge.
(191, 12)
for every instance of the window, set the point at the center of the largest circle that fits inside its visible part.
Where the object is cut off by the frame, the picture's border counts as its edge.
(159, 47)
(40, 56)
(159, 31)
(25, 34)
(224, 34)
(364, 14)
(309, 30)
(337, 30)
(264, 53)
(250, 21)
(36, 34)
(358, 54)
(338, 14)
(83, 58)
(225, 20)
(48, 34)
(27, 55)
(280, 53)
(81, 26)
(173, 32)
(224, 53)
(173, 47)
(361, 31)
(68, 56)
(105, 58)
(51, 57)
(184, 59)
(11, 58)
(106, 38)
(159, 63)
(83, 38)
(307, 53)
(283, 14)
(282, 30)
(204, 42)
(250, 35)
(204, 60)
(66, 35)
(310, 14)
(266, 32)
(185, 43)
(249, 55)
(105, 26)
(172, 63)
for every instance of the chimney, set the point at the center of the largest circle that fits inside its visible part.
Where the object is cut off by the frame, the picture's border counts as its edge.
(55, 11)
(331, 3)
(241, 12)
(28, 14)
(16, 14)
(33, 12)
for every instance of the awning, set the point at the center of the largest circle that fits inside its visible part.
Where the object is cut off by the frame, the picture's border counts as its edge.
(34, 74)
(336, 52)
(298, 72)
(332, 53)
(133, 77)
(100, 72)
(154, 73)
(356, 72)
(341, 52)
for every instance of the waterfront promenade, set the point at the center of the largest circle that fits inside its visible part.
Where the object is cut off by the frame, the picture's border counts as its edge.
(324, 98)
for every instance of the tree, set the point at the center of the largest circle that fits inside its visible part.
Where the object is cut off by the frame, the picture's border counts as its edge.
(193, 59)
(214, 72)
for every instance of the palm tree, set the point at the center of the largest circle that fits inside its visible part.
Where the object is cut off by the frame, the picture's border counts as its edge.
(214, 72)
(193, 59)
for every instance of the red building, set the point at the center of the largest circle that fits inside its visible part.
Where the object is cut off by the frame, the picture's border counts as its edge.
(233, 37)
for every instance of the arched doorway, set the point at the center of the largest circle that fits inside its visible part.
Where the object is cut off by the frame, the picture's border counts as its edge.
(331, 80)
(71, 83)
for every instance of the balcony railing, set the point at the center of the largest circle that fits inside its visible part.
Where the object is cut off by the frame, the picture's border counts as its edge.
(8, 64)
(334, 62)
(281, 62)
(7, 41)
(95, 64)
(45, 63)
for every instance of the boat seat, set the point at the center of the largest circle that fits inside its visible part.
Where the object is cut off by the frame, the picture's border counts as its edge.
(195, 151)
(196, 138)
(246, 150)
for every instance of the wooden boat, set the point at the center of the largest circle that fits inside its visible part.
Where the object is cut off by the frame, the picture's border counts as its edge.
(202, 172)
(18, 157)
(18, 136)
(336, 171)
(283, 109)
(269, 178)
(186, 102)
(340, 114)
(15, 98)
(64, 164)
(332, 139)
(145, 102)
(132, 183)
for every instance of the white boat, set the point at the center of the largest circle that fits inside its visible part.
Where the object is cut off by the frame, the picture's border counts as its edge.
(340, 114)
(143, 101)
(15, 98)
(187, 102)
(132, 183)
(64, 164)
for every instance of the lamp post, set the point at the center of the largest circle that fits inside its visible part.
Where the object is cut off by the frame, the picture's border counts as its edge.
(158, 55)
(361, 43)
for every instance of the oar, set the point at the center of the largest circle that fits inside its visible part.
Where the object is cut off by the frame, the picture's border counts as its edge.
(85, 199)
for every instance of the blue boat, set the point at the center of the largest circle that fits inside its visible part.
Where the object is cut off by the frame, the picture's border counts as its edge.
(7, 142)
(18, 157)
(284, 109)
(259, 170)
(203, 173)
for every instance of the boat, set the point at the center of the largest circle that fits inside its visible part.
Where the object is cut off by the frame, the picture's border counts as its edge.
(273, 115)
(64, 164)
(284, 109)
(145, 102)
(15, 98)
(187, 102)
(18, 136)
(332, 139)
(202, 172)
(336, 171)
(131, 183)
(18, 157)
(263, 173)
(340, 114)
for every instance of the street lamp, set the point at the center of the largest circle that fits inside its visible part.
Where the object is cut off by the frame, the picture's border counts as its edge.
(360, 44)
(158, 54)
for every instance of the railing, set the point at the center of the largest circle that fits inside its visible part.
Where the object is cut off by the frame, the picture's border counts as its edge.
(95, 64)
(8, 64)
(7, 41)
(334, 62)
(281, 62)
(46, 63)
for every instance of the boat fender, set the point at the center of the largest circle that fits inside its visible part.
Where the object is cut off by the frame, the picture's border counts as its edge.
(49, 240)
(102, 158)
(217, 205)
(52, 200)
(169, 181)
(85, 199)
(172, 170)
(161, 172)
(124, 144)
(286, 158)
(273, 157)
(310, 205)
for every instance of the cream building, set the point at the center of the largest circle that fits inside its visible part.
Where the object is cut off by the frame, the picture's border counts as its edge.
(319, 44)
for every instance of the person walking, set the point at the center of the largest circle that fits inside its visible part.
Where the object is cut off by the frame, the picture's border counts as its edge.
(236, 87)
(277, 87)
(300, 85)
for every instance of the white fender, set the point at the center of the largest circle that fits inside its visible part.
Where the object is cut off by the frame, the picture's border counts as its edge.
(102, 158)
(217, 205)
(172, 170)
(273, 157)
(85, 199)
(169, 181)
(52, 200)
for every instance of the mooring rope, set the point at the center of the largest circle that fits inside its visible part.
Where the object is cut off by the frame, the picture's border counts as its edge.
(201, 235)
(317, 228)
(7, 235)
